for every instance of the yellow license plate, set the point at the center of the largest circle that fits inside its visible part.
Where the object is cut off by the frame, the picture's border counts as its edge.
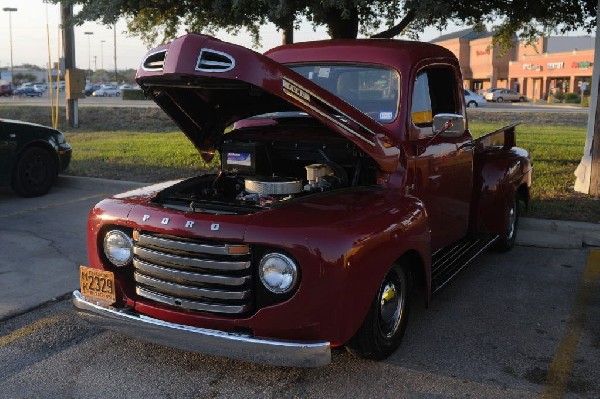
(98, 284)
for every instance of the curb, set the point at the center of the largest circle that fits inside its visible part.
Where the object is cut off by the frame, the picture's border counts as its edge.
(557, 234)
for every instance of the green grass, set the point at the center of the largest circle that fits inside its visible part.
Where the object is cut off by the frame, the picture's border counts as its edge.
(146, 157)
(152, 157)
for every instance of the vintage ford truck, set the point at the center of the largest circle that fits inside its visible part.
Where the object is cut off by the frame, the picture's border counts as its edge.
(348, 182)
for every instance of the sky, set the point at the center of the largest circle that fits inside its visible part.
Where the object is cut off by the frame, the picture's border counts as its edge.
(96, 51)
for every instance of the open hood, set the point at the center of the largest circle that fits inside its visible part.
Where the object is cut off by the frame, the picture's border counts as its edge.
(205, 85)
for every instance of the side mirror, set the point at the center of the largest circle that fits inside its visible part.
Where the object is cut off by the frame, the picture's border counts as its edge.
(455, 128)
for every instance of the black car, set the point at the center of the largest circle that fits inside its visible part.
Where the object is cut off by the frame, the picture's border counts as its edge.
(27, 91)
(31, 156)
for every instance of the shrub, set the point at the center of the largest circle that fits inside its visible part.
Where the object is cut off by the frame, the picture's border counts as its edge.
(131, 94)
(559, 95)
(572, 98)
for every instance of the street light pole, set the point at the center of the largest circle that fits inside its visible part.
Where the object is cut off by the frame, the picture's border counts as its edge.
(89, 34)
(115, 49)
(10, 10)
(102, 54)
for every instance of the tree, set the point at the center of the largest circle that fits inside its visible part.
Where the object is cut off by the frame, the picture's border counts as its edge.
(158, 21)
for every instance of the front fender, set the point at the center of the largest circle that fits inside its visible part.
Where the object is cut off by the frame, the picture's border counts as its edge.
(344, 245)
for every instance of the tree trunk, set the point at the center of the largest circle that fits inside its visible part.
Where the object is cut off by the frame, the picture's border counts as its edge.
(339, 27)
(287, 33)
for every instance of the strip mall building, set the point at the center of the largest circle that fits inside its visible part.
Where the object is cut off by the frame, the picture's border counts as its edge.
(554, 63)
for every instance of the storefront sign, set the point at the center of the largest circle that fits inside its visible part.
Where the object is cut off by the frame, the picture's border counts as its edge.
(482, 52)
(582, 65)
(532, 67)
(555, 65)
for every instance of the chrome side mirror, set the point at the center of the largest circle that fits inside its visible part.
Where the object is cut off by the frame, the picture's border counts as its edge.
(449, 125)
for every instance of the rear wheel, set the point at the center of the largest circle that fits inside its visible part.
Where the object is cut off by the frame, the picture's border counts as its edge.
(500, 99)
(507, 240)
(521, 99)
(382, 330)
(472, 104)
(35, 172)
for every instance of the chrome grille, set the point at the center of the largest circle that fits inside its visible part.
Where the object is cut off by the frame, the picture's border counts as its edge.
(192, 275)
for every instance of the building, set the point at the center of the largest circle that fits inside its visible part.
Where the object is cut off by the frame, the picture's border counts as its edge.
(551, 65)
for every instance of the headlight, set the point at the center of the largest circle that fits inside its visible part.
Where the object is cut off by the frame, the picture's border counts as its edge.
(118, 247)
(278, 273)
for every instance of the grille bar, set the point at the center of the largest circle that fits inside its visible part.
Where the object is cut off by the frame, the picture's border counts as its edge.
(161, 257)
(184, 277)
(145, 240)
(186, 291)
(191, 305)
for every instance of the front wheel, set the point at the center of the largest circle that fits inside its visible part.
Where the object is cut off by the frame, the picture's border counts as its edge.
(472, 104)
(500, 99)
(521, 99)
(383, 328)
(34, 173)
(507, 240)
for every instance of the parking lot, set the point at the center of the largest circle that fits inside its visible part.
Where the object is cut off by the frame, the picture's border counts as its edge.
(521, 324)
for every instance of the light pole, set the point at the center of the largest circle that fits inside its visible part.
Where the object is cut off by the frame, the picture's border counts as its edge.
(10, 10)
(102, 54)
(115, 51)
(89, 34)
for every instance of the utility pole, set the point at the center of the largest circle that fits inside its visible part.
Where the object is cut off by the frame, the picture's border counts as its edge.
(66, 13)
(115, 53)
(10, 10)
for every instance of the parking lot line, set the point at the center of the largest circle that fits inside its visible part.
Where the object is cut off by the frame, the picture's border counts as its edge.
(31, 328)
(562, 364)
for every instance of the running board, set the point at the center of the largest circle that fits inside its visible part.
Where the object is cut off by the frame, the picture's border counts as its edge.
(449, 261)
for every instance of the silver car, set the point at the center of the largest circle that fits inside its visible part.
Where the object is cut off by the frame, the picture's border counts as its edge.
(504, 95)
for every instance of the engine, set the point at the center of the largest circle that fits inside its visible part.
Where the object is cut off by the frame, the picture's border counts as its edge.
(258, 175)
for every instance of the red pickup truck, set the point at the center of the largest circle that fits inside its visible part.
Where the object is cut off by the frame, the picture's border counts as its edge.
(348, 182)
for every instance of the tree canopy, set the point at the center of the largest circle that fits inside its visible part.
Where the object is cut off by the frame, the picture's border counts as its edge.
(159, 21)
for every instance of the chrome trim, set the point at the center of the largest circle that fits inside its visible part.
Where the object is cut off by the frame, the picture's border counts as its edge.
(189, 304)
(156, 256)
(154, 69)
(187, 291)
(146, 240)
(226, 66)
(210, 342)
(187, 277)
(334, 120)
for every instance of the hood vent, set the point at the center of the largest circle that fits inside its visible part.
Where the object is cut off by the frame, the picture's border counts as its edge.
(214, 61)
(155, 61)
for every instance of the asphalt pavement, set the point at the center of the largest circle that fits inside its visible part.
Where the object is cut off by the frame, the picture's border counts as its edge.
(43, 240)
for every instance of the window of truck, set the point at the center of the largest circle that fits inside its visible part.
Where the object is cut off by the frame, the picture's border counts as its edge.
(434, 92)
(372, 90)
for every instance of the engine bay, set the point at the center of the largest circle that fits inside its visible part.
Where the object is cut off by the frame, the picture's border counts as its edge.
(259, 172)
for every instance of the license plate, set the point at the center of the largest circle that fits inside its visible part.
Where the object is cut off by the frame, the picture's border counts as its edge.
(98, 284)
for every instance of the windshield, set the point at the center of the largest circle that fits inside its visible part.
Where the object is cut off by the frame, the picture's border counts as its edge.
(372, 90)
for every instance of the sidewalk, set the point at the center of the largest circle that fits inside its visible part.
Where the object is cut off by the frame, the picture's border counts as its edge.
(557, 234)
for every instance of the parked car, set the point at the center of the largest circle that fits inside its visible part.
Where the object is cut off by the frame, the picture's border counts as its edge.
(90, 89)
(32, 157)
(504, 95)
(6, 90)
(107, 91)
(41, 87)
(473, 100)
(27, 91)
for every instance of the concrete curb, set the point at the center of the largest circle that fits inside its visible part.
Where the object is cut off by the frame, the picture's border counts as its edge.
(557, 234)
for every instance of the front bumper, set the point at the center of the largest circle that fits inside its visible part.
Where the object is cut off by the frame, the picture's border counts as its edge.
(209, 342)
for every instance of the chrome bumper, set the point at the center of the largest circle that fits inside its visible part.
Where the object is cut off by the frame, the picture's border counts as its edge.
(209, 342)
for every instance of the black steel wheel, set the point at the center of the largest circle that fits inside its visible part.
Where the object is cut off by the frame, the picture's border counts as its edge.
(34, 173)
(507, 240)
(383, 329)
